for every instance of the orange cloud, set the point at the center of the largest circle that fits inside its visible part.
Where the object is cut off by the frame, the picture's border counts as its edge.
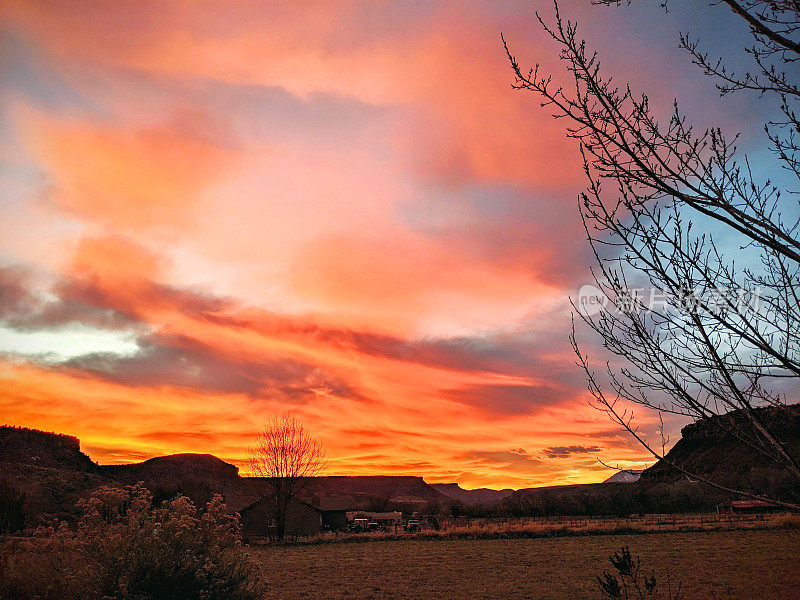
(117, 423)
(130, 178)
(400, 281)
(214, 371)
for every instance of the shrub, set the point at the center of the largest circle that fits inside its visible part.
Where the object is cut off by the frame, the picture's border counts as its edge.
(628, 582)
(125, 548)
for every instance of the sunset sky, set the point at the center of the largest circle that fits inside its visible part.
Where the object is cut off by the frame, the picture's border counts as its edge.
(214, 212)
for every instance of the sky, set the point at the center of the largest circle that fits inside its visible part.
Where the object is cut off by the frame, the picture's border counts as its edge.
(212, 213)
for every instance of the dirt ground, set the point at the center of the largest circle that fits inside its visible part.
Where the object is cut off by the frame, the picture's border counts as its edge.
(746, 565)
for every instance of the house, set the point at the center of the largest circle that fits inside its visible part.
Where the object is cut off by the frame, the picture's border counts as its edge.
(302, 519)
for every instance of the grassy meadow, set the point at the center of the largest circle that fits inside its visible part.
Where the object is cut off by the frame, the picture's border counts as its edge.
(556, 526)
(744, 565)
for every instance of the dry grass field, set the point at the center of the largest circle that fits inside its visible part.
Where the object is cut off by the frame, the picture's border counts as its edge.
(555, 526)
(741, 565)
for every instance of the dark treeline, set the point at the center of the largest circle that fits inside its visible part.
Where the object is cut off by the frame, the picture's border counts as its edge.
(582, 500)
(603, 499)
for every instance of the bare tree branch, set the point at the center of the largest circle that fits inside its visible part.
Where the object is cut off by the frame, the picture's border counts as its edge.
(725, 339)
(286, 457)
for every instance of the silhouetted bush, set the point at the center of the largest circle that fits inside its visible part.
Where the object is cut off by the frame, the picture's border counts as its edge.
(614, 499)
(125, 548)
(629, 582)
(456, 508)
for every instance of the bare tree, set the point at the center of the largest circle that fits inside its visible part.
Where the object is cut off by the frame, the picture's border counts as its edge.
(724, 339)
(287, 457)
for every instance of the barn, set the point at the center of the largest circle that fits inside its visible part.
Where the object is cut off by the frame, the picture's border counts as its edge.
(334, 520)
(302, 519)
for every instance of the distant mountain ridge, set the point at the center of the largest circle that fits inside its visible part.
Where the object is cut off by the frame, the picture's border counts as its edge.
(375, 492)
(52, 471)
(43, 449)
(472, 497)
(48, 469)
(713, 448)
(198, 476)
(707, 448)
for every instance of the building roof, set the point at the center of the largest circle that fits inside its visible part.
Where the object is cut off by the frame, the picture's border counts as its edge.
(752, 504)
(297, 500)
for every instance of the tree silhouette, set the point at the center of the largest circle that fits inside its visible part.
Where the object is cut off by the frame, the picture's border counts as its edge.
(724, 339)
(287, 457)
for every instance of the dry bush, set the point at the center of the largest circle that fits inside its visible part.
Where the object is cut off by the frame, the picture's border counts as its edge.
(124, 548)
(628, 581)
